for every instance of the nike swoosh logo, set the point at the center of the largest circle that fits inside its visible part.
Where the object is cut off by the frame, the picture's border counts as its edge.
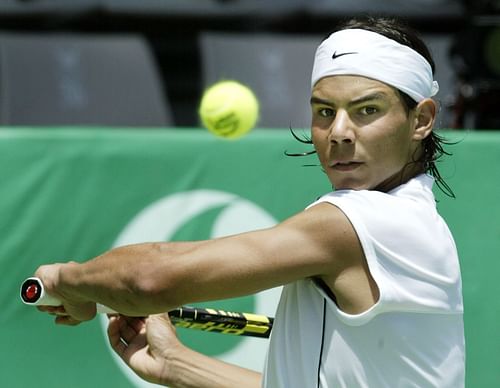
(335, 55)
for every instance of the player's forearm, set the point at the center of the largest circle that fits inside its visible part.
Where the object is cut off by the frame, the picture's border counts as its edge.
(194, 370)
(122, 278)
(143, 279)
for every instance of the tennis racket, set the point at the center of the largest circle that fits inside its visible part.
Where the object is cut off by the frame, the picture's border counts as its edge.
(206, 319)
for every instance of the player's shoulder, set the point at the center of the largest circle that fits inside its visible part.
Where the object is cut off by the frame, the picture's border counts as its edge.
(369, 199)
(322, 219)
(416, 193)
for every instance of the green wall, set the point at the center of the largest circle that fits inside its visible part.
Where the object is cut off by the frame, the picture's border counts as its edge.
(70, 194)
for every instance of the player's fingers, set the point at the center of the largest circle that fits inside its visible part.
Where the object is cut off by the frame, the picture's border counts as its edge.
(66, 320)
(114, 336)
(136, 323)
(127, 329)
(130, 328)
(52, 309)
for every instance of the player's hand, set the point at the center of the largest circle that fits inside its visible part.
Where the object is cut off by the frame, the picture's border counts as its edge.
(71, 311)
(146, 345)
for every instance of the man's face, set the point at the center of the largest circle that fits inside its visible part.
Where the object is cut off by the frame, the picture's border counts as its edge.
(362, 133)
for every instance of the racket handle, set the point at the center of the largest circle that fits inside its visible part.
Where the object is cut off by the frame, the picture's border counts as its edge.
(205, 319)
(33, 294)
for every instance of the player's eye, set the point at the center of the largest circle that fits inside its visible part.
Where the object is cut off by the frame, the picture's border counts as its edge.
(326, 112)
(368, 110)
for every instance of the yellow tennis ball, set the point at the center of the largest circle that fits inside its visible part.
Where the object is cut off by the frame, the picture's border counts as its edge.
(229, 109)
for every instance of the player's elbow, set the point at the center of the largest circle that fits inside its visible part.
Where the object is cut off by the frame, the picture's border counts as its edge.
(157, 284)
(156, 295)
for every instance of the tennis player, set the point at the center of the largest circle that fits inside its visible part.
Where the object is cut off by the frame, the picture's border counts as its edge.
(372, 287)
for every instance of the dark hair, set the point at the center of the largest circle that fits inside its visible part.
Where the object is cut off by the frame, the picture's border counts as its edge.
(432, 145)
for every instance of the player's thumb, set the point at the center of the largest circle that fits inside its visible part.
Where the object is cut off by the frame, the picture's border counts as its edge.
(161, 335)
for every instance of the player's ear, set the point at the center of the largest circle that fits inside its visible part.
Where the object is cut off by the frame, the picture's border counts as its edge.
(425, 115)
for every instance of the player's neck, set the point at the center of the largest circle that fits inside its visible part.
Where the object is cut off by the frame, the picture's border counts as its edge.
(408, 172)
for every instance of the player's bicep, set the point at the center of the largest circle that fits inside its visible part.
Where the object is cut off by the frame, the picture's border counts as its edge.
(317, 242)
(312, 243)
(322, 240)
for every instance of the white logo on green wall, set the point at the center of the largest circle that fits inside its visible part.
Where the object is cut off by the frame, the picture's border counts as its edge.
(197, 215)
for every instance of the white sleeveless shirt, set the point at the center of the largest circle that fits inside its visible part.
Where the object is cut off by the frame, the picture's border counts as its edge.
(412, 337)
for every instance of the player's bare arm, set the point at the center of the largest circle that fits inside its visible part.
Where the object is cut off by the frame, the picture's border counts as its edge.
(151, 348)
(152, 278)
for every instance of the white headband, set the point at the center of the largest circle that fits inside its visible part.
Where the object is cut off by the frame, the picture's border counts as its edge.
(368, 54)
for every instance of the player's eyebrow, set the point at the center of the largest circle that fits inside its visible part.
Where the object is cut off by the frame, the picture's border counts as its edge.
(360, 100)
(369, 97)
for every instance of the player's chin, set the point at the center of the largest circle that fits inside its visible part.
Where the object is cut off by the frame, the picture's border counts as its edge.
(350, 183)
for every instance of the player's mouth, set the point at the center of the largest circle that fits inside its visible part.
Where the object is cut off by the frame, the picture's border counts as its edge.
(345, 165)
